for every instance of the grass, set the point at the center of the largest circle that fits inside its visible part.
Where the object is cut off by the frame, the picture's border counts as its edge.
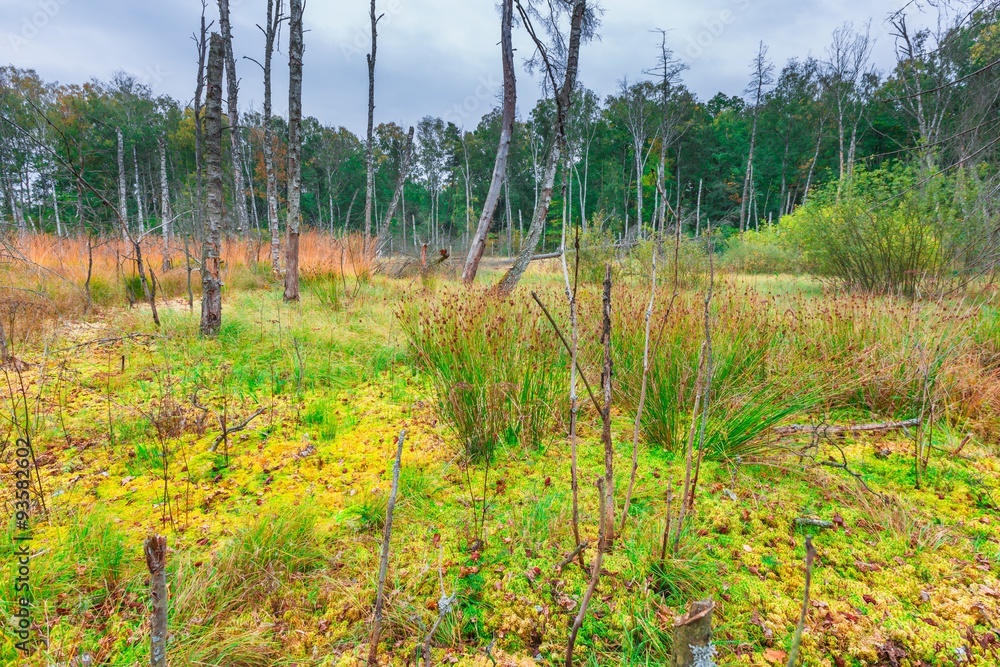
(274, 556)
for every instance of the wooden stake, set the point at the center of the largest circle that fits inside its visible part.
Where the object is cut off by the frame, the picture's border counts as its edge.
(693, 635)
(155, 549)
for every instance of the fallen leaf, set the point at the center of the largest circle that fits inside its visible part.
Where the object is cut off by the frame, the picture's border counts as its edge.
(775, 656)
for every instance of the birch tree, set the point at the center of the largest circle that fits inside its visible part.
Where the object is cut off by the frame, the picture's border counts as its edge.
(582, 22)
(760, 78)
(271, 30)
(847, 74)
(295, 49)
(478, 245)
(211, 279)
(235, 132)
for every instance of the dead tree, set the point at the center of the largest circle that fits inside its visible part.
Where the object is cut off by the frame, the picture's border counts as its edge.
(295, 49)
(140, 214)
(155, 549)
(563, 100)
(760, 78)
(235, 137)
(167, 225)
(270, 31)
(211, 280)
(503, 150)
(122, 188)
(370, 145)
(404, 170)
(201, 42)
(793, 653)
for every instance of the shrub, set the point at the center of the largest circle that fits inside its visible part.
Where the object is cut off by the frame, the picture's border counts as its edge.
(494, 363)
(766, 251)
(597, 250)
(891, 231)
(692, 262)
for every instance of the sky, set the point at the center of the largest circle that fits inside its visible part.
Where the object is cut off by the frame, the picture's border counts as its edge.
(435, 57)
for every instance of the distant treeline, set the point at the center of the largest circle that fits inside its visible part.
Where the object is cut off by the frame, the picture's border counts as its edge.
(737, 161)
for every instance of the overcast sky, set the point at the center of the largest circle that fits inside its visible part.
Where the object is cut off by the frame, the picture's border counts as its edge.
(436, 57)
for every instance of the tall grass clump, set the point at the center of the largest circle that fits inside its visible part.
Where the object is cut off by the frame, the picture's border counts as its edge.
(756, 381)
(218, 605)
(495, 364)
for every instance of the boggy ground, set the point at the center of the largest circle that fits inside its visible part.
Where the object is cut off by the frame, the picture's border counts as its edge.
(274, 532)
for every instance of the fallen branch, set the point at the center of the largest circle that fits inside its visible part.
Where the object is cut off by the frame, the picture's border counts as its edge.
(836, 430)
(226, 432)
(569, 559)
(548, 255)
(962, 445)
(815, 523)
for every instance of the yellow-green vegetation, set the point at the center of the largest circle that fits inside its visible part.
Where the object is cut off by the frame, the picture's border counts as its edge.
(274, 530)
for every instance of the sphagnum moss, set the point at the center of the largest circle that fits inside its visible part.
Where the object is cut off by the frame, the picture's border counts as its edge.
(909, 576)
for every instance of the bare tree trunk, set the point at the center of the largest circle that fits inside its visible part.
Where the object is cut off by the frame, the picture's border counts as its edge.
(503, 150)
(513, 276)
(761, 78)
(370, 145)
(211, 281)
(697, 213)
(404, 170)
(295, 49)
(812, 165)
(165, 209)
(138, 194)
(122, 188)
(155, 549)
(235, 136)
(608, 503)
(55, 208)
(201, 40)
(273, 24)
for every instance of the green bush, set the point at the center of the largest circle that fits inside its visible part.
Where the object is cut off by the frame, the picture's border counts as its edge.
(893, 230)
(759, 252)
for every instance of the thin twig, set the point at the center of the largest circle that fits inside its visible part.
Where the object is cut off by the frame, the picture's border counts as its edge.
(383, 568)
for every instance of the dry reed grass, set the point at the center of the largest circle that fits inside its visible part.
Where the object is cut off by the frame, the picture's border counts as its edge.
(45, 279)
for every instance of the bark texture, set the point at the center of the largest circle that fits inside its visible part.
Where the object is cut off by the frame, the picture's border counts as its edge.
(370, 145)
(236, 137)
(693, 636)
(270, 36)
(295, 50)
(167, 225)
(211, 281)
(122, 188)
(155, 549)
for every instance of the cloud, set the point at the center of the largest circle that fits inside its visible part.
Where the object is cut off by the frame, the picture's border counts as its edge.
(436, 57)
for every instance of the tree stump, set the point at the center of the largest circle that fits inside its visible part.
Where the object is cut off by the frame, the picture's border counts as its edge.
(693, 636)
(156, 560)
